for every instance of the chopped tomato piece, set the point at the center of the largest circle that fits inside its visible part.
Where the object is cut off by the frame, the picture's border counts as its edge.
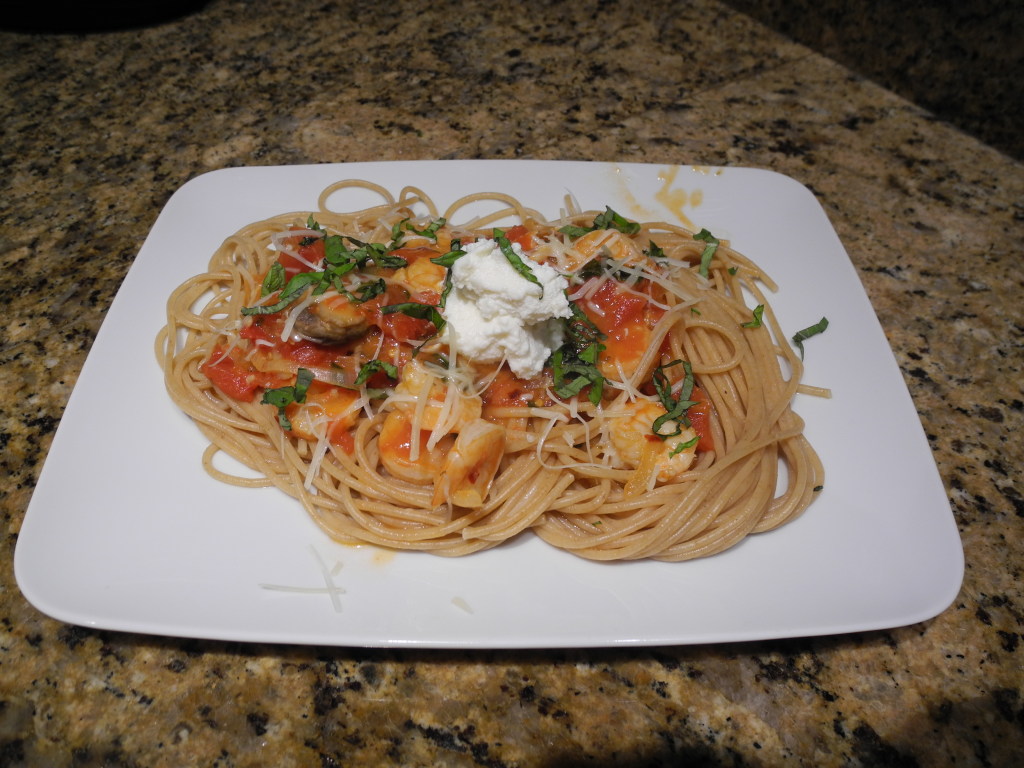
(507, 389)
(625, 318)
(700, 419)
(310, 255)
(303, 352)
(614, 308)
(308, 353)
(520, 234)
(328, 403)
(255, 332)
(398, 325)
(235, 378)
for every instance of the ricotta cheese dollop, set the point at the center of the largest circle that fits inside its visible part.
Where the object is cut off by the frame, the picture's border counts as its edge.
(495, 313)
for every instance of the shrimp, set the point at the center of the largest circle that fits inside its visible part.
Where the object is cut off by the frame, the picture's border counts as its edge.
(461, 466)
(471, 465)
(422, 275)
(456, 449)
(402, 458)
(609, 241)
(326, 411)
(632, 436)
(444, 407)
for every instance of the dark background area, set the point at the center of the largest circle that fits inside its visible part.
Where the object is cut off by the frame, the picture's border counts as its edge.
(960, 60)
(964, 61)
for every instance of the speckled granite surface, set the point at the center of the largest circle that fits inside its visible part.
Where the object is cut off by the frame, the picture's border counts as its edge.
(959, 60)
(100, 130)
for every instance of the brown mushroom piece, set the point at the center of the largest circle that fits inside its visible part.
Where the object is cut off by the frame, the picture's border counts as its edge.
(331, 321)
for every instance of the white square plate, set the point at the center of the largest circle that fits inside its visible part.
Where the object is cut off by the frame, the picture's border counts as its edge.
(125, 531)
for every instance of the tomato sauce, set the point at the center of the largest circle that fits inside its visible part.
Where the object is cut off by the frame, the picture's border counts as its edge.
(311, 253)
(237, 378)
(308, 354)
(626, 319)
(334, 404)
(507, 390)
(700, 419)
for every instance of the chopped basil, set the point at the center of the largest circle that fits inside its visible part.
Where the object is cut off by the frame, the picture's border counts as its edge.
(664, 387)
(709, 250)
(388, 261)
(581, 328)
(611, 220)
(756, 322)
(812, 330)
(375, 366)
(607, 220)
(448, 260)
(446, 289)
(584, 337)
(654, 251)
(597, 267)
(574, 364)
(675, 408)
(513, 258)
(683, 446)
(282, 397)
(593, 268)
(292, 291)
(367, 291)
(572, 376)
(338, 261)
(429, 232)
(335, 252)
(573, 231)
(418, 311)
(378, 253)
(274, 280)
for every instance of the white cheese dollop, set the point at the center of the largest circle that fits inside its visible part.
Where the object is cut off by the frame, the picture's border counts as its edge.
(495, 313)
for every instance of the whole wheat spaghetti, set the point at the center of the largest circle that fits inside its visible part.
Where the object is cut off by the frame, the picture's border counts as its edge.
(626, 393)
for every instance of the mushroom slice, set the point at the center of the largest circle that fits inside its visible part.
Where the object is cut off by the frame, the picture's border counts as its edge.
(334, 320)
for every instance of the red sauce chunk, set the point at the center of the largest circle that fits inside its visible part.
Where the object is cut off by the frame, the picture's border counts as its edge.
(625, 318)
(235, 377)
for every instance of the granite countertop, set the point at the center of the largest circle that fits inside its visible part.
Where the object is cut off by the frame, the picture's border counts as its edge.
(100, 129)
